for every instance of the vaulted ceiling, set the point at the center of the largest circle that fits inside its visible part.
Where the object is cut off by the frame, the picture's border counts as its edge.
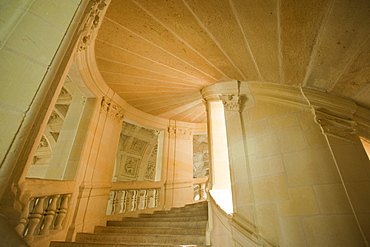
(158, 54)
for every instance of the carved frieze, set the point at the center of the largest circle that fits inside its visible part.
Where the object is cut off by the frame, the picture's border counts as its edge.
(336, 126)
(180, 133)
(94, 19)
(112, 110)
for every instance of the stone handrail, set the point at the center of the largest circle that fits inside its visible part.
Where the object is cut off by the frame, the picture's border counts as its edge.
(45, 205)
(133, 196)
(199, 189)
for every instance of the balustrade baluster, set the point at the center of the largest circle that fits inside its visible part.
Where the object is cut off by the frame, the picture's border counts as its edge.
(134, 200)
(123, 201)
(117, 202)
(145, 199)
(156, 197)
(21, 227)
(35, 218)
(110, 208)
(203, 194)
(49, 214)
(62, 211)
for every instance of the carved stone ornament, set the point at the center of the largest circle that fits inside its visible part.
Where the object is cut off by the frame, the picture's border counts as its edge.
(180, 133)
(231, 102)
(335, 126)
(111, 109)
(92, 23)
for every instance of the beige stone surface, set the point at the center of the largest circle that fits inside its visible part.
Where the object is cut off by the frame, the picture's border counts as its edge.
(332, 198)
(293, 232)
(301, 201)
(272, 188)
(267, 218)
(339, 230)
(266, 166)
(310, 167)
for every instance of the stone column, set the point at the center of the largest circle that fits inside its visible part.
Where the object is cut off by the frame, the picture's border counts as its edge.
(179, 177)
(219, 183)
(98, 158)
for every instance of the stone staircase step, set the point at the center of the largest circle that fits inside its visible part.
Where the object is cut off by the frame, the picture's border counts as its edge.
(174, 214)
(148, 230)
(162, 224)
(179, 218)
(75, 244)
(140, 238)
(178, 227)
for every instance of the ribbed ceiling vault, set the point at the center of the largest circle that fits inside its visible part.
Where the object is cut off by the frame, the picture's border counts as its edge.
(158, 54)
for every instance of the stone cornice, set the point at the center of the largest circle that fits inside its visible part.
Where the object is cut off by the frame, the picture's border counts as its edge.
(332, 104)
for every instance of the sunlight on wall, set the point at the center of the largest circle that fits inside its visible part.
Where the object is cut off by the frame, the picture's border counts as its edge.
(224, 199)
(221, 183)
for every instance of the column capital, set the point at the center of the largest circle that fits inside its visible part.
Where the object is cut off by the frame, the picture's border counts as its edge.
(179, 133)
(113, 110)
(331, 125)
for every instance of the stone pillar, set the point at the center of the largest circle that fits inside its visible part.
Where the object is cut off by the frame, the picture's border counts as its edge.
(98, 157)
(219, 183)
(179, 177)
(292, 185)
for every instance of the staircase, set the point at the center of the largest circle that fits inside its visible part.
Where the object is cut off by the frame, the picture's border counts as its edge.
(179, 227)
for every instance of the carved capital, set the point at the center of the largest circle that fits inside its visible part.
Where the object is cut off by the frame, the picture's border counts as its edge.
(112, 110)
(180, 133)
(92, 24)
(232, 102)
(336, 126)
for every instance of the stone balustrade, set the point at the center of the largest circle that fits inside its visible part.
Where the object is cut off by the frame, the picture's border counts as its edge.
(134, 198)
(45, 207)
(199, 188)
(43, 214)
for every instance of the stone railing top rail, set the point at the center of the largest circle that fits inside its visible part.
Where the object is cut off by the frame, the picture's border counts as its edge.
(135, 185)
(200, 180)
(47, 187)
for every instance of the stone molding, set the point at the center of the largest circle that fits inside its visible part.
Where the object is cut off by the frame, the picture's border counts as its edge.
(180, 133)
(112, 110)
(336, 126)
(92, 24)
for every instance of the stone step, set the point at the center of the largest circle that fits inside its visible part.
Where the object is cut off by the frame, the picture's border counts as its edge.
(175, 214)
(149, 230)
(162, 224)
(140, 238)
(178, 218)
(75, 244)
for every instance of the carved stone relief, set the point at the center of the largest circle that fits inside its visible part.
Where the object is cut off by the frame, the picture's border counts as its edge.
(180, 133)
(91, 26)
(232, 102)
(112, 110)
(131, 166)
(138, 147)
